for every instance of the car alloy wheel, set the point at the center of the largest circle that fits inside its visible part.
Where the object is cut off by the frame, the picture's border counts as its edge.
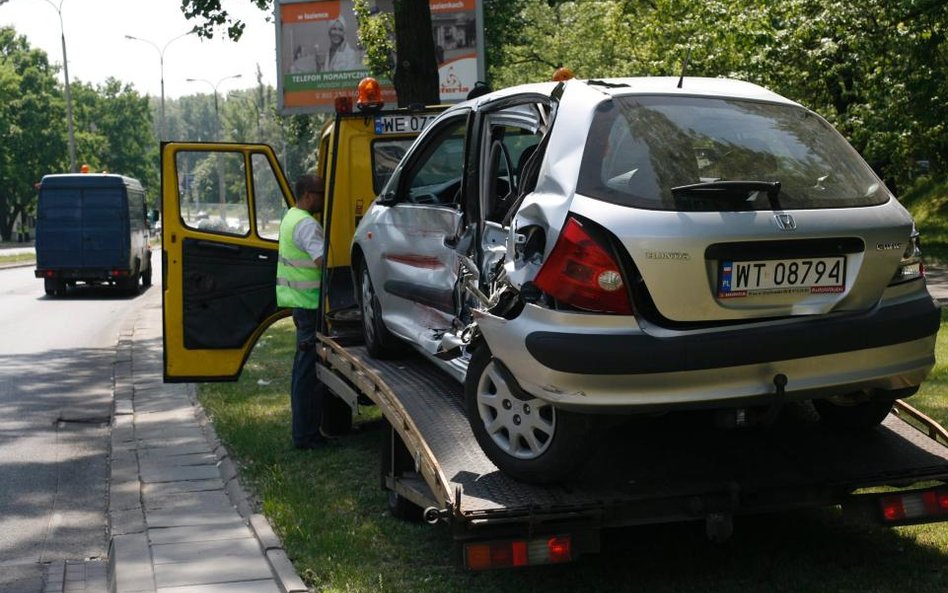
(521, 428)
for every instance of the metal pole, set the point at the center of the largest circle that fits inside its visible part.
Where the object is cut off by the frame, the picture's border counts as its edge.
(163, 126)
(69, 124)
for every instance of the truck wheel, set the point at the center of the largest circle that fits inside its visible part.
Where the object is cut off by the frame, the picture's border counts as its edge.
(337, 416)
(846, 413)
(54, 287)
(146, 277)
(130, 284)
(524, 436)
(380, 342)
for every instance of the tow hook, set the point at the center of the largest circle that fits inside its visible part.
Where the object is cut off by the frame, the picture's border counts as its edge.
(433, 515)
(780, 384)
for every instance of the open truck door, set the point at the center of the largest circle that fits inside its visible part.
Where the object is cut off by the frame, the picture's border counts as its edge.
(222, 205)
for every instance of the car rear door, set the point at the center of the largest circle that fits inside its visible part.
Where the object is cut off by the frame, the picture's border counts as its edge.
(222, 205)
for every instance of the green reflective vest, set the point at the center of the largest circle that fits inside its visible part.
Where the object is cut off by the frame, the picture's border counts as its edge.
(298, 278)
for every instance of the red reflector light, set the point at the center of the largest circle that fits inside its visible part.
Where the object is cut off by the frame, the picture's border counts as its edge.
(118, 273)
(581, 273)
(561, 549)
(343, 104)
(942, 500)
(50, 273)
(892, 508)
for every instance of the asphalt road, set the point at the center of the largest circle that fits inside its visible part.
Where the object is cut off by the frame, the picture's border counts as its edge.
(56, 358)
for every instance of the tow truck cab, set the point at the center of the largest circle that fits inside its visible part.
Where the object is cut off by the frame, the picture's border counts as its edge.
(222, 206)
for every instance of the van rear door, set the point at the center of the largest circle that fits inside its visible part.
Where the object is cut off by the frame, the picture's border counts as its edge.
(222, 205)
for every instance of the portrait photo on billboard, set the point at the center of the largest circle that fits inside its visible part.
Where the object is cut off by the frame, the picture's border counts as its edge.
(319, 53)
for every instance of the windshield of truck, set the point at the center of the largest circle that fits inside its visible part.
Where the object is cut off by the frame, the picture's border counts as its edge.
(707, 154)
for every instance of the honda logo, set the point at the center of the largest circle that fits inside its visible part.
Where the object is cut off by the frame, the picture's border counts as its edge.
(785, 222)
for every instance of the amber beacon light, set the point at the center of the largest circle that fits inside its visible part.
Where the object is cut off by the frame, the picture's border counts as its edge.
(370, 95)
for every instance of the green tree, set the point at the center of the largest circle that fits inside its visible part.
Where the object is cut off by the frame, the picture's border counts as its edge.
(32, 126)
(114, 132)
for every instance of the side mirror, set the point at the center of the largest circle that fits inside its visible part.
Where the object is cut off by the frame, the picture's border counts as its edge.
(386, 198)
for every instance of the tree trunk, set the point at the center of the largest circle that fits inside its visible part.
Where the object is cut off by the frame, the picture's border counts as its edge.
(416, 71)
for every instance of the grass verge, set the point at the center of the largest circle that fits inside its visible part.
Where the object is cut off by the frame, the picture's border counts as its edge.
(18, 258)
(331, 514)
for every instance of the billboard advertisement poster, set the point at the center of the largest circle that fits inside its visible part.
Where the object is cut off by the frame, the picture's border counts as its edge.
(319, 57)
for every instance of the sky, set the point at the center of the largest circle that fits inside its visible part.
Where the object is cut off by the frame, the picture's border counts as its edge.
(96, 46)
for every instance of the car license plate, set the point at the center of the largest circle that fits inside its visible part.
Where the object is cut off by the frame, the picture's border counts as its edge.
(402, 124)
(782, 276)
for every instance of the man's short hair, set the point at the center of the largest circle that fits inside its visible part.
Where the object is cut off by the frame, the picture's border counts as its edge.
(307, 183)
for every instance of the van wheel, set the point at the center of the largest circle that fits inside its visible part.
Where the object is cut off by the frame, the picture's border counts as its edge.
(146, 277)
(380, 342)
(526, 437)
(847, 413)
(54, 287)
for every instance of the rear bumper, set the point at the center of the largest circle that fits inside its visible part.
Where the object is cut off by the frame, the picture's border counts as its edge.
(82, 274)
(587, 361)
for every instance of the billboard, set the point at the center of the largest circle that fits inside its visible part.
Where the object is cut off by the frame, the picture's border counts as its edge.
(319, 57)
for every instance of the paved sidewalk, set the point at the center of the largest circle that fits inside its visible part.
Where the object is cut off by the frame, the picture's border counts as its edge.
(179, 520)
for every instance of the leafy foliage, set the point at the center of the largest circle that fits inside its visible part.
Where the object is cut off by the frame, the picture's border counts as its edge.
(376, 35)
(32, 126)
(878, 70)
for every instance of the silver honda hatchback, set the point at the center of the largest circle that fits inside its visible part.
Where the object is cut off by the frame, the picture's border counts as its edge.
(593, 248)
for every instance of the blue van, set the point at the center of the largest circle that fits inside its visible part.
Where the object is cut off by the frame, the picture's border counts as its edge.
(92, 228)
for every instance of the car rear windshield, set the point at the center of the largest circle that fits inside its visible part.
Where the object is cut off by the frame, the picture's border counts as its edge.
(706, 154)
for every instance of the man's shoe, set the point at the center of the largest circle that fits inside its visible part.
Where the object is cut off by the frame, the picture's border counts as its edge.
(327, 436)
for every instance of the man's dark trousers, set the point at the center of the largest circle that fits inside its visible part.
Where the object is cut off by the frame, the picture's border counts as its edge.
(306, 390)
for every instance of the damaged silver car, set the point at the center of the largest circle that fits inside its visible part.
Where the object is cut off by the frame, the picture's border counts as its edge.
(584, 249)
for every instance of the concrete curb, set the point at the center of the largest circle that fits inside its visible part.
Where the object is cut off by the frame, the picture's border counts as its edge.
(178, 517)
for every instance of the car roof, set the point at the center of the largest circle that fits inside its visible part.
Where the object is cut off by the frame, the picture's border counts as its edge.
(59, 180)
(691, 86)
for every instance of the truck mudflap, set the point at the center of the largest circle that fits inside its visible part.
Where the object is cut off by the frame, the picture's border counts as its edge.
(647, 470)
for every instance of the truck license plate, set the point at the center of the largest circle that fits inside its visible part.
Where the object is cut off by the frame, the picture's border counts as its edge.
(402, 124)
(781, 276)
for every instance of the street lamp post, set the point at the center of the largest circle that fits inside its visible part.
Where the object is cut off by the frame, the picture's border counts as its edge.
(217, 113)
(161, 60)
(72, 133)
(217, 133)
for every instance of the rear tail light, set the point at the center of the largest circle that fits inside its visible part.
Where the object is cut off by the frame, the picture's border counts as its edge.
(915, 506)
(911, 266)
(583, 273)
(519, 552)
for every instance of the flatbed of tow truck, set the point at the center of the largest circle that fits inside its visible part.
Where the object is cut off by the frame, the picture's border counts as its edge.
(649, 469)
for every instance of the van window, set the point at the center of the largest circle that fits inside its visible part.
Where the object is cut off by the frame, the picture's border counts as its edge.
(212, 189)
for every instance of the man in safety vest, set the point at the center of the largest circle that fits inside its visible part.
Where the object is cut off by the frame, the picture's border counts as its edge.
(298, 286)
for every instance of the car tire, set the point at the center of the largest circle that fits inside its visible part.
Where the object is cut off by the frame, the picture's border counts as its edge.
(380, 342)
(558, 442)
(841, 413)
